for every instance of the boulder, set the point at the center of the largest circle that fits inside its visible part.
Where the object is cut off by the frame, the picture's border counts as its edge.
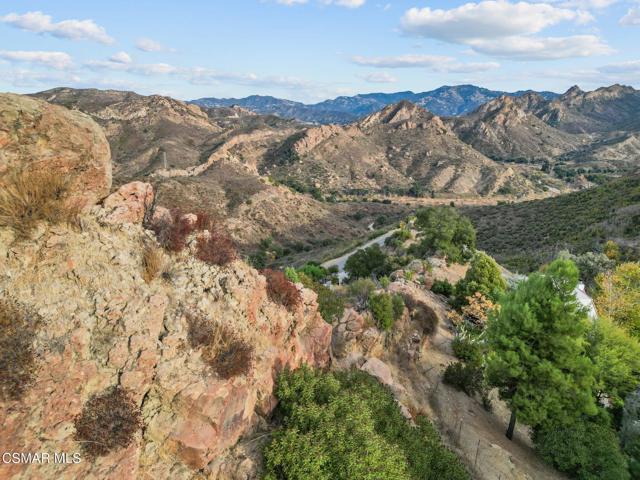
(128, 204)
(36, 135)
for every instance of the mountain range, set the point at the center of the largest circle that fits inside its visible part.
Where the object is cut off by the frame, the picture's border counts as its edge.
(310, 186)
(443, 101)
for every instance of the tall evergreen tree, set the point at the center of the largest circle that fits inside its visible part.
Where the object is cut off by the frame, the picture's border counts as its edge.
(537, 344)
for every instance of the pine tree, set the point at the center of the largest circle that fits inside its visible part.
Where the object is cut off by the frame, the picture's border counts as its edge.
(537, 344)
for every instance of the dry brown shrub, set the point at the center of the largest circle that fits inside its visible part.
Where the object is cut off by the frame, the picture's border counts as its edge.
(153, 263)
(222, 349)
(478, 309)
(108, 422)
(280, 290)
(28, 197)
(218, 248)
(204, 221)
(18, 327)
(172, 233)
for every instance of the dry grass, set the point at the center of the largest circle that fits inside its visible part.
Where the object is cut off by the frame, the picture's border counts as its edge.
(153, 263)
(280, 290)
(29, 197)
(108, 422)
(222, 349)
(17, 355)
(172, 233)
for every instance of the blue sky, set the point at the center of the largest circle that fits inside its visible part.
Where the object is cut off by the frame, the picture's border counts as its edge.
(310, 50)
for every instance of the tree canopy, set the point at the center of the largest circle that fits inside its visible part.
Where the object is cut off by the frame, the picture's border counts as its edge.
(445, 232)
(618, 296)
(537, 348)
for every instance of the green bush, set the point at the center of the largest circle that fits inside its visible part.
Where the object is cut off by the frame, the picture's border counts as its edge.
(292, 274)
(584, 449)
(442, 287)
(385, 282)
(381, 306)
(483, 276)
(314, 271)
(466, 377)
(343, 426)
(367, 262)
(359, 291)
(467, 350)
(330, 303)
(398, 306)
(445, 232)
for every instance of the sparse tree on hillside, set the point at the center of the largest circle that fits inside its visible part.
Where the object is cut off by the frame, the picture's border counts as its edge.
(483, 276)
(537, 349)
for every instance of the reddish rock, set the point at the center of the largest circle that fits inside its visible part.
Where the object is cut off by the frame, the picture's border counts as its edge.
(129, 203)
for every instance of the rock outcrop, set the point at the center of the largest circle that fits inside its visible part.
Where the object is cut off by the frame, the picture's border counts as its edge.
(39, 136)
(105, 322)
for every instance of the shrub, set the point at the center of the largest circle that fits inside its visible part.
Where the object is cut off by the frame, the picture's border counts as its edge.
(343, 426)
(398, 306)
(381, 306)
(359, 291)
(153, 263)
(172, 233)
(227, 354)
(618, 296)
(483, 276)
(314, 271)
(464, 376)
(330, 303)
(29, 197)
(292, 275)
(467, 350)
(423, 314)
(444, 231)
(367, 262)
(384, 282)
(280, 290)
(108, 422)
(584, 449)
(18, 326)
(217, 248)
(442, 287)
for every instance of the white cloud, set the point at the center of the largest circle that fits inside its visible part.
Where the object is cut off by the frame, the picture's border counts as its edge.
(401, 61)
(345, 3)
(434, 63)
(632, 66)
(30, 79)
(486, 20)
(205, 76)
(57, 60)
(584, 4)
(340, 3)
(149, 45)
(38, 22)
(547, 48)
(121, 57)
(508, 30)
(379, 77)
(147, 69)
(632, 18)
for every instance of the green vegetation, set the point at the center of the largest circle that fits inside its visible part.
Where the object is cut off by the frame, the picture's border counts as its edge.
(330, 302)
(618, 296)
(367, 262)
(444, 232)
(586, 449)
(537, 349)
(523, 236)
(343, 426)
(381, 306)
(483, 277)
(442, 287)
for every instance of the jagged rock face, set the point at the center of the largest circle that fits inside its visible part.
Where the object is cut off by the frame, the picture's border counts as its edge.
(604, 110)
(105, 326)
(507, 129)
(394, 148)
(40, 136)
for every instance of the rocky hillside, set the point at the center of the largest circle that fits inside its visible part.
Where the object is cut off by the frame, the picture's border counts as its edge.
(116, 341)
(506, 129)
(603, 110)
(394, 149)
